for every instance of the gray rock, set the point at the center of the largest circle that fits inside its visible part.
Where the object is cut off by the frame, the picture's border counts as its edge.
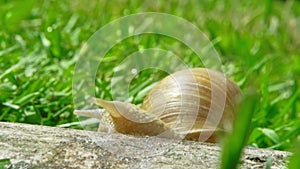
(34, 146)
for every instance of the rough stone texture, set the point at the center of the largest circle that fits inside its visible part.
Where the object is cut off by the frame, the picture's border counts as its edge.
(33, 146)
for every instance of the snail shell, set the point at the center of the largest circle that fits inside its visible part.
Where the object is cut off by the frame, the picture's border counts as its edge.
(193, 104)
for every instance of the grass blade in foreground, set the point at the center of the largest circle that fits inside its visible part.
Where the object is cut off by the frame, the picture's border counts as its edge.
(295, 158)
(5, 163)
(233, 145)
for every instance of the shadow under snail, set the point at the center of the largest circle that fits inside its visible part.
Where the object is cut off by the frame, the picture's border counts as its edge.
(193, 104)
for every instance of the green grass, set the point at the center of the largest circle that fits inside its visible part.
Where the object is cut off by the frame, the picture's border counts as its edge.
(258, 44)
(5, 163)
(294, 162)
(234, 143)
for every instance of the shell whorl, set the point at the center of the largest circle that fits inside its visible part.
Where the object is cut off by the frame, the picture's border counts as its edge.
(189, 101)
(188, 104)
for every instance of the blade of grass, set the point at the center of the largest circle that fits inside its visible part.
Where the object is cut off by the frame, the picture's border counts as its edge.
(294, 159)
(233, 145)
(269, 162)
(271, 134)
(8, 50)
(291, 103)
(14, 67)
(5, 163)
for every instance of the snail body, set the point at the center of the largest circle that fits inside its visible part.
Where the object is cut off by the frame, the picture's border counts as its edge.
(193, 104)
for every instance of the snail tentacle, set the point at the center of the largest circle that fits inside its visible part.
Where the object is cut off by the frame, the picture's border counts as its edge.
(94, 113)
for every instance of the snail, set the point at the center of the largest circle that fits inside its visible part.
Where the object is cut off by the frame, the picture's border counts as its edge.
(192, 104)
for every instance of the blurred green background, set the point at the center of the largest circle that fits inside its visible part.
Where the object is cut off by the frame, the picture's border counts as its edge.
(258, 41)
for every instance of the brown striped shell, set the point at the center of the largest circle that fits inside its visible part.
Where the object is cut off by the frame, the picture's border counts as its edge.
(188, 97)
(192, 104)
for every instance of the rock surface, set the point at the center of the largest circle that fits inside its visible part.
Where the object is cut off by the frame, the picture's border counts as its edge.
(33, 146)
